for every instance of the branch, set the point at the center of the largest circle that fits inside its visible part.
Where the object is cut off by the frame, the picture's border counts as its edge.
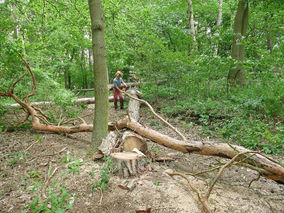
(222, 169)
(14, 84)
(73, 119)
(26, 118)
(40, 111)
(204, 171)
(156, 115)
(33, 79)
(203, 202)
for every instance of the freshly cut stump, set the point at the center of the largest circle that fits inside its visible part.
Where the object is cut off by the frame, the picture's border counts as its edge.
(127, 163)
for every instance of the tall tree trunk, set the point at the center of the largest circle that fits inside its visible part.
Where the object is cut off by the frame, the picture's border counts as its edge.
(84, 70)
(191, 45)
(237, 74)
(219, 21)
(100, 130)
(66, 78)
(268, 34)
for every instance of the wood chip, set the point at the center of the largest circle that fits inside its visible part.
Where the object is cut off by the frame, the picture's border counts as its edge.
(97, 156)
(147, 210)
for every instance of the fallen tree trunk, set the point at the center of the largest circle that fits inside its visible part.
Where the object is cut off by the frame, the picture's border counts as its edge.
(263, 165)
(48, 103)
(110, 87)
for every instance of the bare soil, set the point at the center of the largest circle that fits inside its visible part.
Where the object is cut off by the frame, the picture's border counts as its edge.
(28, 158)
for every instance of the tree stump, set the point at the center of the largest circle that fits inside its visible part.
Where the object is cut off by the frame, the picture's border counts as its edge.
(127, 163)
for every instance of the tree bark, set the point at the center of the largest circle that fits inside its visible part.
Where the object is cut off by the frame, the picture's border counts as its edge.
(100, 130)
(268, 34)
(236, 74)
(191, 45)
(267, 168)
(219, 21)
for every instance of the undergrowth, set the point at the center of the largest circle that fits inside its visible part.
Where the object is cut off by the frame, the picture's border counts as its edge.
(251, 116)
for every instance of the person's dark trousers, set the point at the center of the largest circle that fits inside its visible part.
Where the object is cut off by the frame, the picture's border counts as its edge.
(121, 103)
(115, 103)
(117, 94)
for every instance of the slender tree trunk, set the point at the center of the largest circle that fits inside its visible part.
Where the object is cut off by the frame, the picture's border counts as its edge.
(268, 34)
(191, 45)
(90, 60)
(100, 130)
(65, 78)
(219, 21)
(237, 74)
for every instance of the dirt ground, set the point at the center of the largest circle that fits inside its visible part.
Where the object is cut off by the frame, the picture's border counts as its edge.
(29, 158)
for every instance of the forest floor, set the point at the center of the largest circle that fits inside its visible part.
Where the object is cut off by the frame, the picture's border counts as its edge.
(29, 157)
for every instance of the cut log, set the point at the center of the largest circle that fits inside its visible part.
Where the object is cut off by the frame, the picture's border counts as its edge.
(127, 185)
(263, 165)
(132, 140)
(108, 144)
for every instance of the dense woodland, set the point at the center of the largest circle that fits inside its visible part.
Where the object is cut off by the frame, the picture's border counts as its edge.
(186, 71)
(215, 65)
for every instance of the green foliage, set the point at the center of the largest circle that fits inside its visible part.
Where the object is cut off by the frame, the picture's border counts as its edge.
(158, 183)
(14, 158)
(55, 202)
(152, 39)
(73, 167)
(105, 172)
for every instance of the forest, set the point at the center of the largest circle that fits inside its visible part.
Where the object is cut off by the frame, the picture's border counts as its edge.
(203, 107)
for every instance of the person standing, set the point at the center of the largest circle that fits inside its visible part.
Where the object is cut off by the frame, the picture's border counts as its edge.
(117, 93)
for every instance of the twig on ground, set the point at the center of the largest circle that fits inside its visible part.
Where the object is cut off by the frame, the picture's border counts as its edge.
(222, 169)
(31, 145)
(255, 179)
(202, 201)
(101, 198)
(204, 171)
(56, 153)
(83, 121)
(48, 179)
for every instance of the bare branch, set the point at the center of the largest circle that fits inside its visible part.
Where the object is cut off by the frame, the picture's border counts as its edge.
(222, 169)
(33, 80)
(156, 115)
(255, 179)
(202, 201)
(204, 171)
(40, 111)
(26, 118)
